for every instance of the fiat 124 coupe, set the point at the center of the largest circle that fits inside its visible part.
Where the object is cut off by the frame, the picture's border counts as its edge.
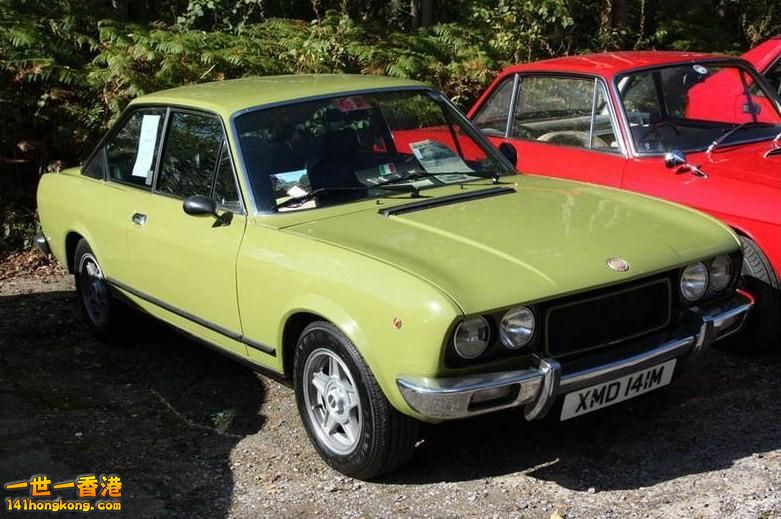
(359, 237)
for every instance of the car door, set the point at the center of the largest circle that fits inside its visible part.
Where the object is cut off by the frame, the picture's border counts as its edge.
(125, 161)
(560, 125)
(187, 264)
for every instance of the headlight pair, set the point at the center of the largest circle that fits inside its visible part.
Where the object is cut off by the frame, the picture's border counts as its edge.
(698, 278)
(473, 336)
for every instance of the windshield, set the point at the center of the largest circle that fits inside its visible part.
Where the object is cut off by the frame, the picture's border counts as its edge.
(688, 107)
(342, 149)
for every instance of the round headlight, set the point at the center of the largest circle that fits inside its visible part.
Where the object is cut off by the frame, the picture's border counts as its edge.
(472, 337)
(694, 281)
(517, 327)
(720, 273)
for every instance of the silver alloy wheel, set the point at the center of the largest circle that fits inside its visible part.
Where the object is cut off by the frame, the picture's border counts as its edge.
(94, 291)
(332, 401)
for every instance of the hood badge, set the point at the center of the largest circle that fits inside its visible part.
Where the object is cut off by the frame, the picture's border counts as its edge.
(618, 264)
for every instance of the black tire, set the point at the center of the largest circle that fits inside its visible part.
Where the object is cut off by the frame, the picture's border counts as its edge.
(101, 310)
(762, 330)
(386, 439)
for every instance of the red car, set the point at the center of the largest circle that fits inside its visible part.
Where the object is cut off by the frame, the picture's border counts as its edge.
(766, 58)
(698, 129)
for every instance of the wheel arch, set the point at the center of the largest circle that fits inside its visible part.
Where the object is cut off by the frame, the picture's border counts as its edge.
(291, 332)
(72, 239)
(741, 232)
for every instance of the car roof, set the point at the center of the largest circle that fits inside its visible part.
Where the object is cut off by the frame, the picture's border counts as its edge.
(230, 96)
(609, 64)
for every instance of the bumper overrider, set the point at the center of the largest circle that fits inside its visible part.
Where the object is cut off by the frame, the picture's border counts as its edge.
(538, 388)
(40, 243)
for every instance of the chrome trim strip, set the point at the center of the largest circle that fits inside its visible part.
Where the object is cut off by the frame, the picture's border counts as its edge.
(540, 386)
(597, 374)
(194, 318)
(449, 398)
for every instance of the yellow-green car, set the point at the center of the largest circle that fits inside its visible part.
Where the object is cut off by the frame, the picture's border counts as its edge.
(359, 237)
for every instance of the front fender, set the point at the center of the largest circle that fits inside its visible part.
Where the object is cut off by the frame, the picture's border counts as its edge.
(397, 321)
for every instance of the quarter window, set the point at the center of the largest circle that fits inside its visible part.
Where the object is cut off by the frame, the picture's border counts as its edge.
(773, 76)
(131, 153)
(492, 117)
(225, 190)
(564, 111)
(191, 155)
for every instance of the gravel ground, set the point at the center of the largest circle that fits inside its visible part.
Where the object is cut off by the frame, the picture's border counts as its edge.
(195, 435)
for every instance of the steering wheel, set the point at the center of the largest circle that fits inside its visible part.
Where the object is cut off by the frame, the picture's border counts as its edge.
(650, 138)
(573, 138)
(663, 124)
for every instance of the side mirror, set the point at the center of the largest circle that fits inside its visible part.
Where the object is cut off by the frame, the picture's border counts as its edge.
(677, 159)
(509, 151)
(199, 205)
(674, 159)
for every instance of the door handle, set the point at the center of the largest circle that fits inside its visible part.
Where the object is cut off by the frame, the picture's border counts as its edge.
(138, 218)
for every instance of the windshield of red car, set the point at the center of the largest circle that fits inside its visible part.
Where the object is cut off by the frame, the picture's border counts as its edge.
(688, 107)
(342, 149)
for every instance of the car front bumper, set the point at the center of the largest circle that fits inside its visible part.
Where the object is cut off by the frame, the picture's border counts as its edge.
(40, 243)
(538, 388)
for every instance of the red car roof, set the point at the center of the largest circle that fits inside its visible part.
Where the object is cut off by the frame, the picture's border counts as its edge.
(612, 63)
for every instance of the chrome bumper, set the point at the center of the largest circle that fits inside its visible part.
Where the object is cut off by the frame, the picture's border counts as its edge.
(538, 388)
(40, 243)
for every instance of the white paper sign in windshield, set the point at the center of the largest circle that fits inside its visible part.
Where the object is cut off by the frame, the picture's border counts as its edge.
(435, 157)
(146, 147)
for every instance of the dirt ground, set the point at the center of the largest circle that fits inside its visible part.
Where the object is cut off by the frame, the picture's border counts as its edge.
(195, 435)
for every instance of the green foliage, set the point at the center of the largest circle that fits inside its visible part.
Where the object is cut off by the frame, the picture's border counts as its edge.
(68, 67)
(18, 226)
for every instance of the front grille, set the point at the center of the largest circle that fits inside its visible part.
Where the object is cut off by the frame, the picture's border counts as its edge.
(607, 318)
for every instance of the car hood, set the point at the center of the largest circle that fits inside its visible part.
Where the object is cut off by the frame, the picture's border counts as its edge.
(750, 163)
(543, 239)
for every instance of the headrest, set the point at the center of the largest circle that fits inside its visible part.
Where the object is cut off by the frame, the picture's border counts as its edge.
(342, 143)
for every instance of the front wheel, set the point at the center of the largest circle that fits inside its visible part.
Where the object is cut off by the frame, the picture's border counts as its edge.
(762, 330)
(347, 417)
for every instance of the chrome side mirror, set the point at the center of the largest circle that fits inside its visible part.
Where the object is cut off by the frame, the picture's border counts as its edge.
(674, 159)
(677, 159)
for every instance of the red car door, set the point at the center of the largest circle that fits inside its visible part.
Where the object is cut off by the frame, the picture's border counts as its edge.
(560, 125)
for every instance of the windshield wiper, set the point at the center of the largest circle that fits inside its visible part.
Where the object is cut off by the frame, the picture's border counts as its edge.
(419, 175)
(724, 136)
(334, 189)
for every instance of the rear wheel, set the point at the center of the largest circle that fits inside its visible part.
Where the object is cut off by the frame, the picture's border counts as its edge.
(100, 309)
(763, 325)
(347, 417)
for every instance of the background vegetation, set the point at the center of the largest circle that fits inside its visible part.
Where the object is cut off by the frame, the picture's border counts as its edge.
(68, 67)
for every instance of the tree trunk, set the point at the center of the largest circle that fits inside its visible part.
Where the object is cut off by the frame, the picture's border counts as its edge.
(427, 13)
(619, 13)
(612, 14)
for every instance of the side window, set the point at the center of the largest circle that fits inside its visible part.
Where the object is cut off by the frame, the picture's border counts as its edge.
(96, 167)
(638, 93)
(492, 117)
(225, 190)
(130, 154)
(191, 155)
(564, 111)
(773, 76)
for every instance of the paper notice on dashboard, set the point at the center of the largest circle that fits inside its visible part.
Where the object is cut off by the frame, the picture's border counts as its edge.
(435, 157)
(146, 148)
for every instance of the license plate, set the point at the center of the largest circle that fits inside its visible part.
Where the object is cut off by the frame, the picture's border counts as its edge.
(608, 393)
